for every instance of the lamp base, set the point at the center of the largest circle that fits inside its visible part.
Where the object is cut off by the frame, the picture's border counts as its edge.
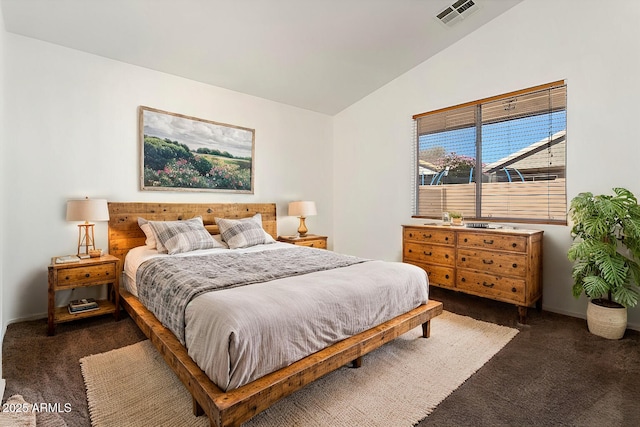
(86, 238)
(302, 229)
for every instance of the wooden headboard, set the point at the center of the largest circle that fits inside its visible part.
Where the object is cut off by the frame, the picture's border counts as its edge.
(125, 234)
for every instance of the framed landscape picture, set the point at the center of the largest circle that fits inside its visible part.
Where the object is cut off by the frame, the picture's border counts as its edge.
(183, 153)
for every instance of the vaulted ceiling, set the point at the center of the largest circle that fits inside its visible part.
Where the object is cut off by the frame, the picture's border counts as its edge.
(321, 55)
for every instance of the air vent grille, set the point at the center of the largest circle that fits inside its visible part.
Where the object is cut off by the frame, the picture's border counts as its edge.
(459, 10)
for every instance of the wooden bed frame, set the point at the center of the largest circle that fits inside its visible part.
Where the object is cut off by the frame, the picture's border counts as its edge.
(236, 406)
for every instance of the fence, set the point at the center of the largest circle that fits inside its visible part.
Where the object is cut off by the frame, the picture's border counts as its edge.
(520, 200)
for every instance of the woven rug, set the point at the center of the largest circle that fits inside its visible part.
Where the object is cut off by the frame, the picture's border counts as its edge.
(17, 413)
(398, 384)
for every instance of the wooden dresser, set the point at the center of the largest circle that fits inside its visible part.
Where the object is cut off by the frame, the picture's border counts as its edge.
(501, 264)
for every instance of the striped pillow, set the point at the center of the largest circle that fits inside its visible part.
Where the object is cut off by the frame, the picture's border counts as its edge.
(242, 233)
(183, 236)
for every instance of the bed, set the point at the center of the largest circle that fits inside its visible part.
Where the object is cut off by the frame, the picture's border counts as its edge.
(232, 401)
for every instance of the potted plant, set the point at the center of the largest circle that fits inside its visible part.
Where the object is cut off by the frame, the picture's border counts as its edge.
(456, 218)
(605, 252)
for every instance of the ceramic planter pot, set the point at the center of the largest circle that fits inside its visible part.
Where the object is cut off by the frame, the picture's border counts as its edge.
(606, 322)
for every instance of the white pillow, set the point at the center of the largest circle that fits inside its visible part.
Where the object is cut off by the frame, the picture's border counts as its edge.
(148, 232)
(242, 233)
(183, 236)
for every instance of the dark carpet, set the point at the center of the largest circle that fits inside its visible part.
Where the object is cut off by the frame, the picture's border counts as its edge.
(553, 373)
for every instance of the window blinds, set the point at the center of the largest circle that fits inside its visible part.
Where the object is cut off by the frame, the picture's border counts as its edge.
(501, 158)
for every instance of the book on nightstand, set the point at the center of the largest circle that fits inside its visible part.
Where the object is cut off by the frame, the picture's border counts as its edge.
(67, 258)
(85, 304)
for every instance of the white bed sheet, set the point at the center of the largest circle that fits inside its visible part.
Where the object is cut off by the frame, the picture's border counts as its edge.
(136, 256)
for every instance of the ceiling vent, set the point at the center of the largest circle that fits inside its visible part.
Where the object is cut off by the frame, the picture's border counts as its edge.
(457, 12)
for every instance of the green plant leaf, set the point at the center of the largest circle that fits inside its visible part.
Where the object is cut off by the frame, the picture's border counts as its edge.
(606, 247)
(595, 286)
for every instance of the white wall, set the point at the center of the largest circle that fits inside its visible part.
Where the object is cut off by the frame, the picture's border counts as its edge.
(71, 131)
(2, 167)
(535, 42)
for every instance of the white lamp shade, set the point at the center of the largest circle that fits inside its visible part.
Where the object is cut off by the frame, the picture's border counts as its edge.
(302, 209)
(87, 210)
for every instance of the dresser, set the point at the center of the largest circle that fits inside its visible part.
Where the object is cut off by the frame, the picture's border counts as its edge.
(500, 264)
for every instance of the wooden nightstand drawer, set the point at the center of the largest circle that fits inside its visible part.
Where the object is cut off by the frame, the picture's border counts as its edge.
(74, 277)
(320, 244)
(493, 241)
(310, 240)
(443, 237)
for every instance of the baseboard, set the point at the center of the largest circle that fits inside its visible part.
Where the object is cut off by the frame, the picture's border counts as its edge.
(630, 325)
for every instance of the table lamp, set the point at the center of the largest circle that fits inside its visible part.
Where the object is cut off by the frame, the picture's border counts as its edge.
(87, 210)
(302, 210)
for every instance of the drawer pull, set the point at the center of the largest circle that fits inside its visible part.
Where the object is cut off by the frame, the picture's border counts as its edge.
(426, 236)
(446, 256)
(488, 285)
(410, 251)
(67, 278)
(446, 276)
(463, 280)
(514, 245)
(515, 265)
(514, 290)
(488, 242)
(466, 240)
(311, 245)
(446, 239)
(410, 234)
(464, 259)
(487, 261)
(427, 253)
(87, 275)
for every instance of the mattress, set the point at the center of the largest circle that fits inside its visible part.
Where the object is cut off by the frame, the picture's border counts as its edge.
(240, 334)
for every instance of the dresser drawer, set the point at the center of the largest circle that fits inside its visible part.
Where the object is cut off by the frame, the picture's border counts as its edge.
(428, 235)
(497, 287)
(435, 254)
(74, 277)
(493, 241)
(503, 263)
(438, 275)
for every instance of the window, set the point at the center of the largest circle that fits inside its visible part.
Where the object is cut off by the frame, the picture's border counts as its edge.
(501, 158)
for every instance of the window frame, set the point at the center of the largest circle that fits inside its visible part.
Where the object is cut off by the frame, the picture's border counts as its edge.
(478, 172)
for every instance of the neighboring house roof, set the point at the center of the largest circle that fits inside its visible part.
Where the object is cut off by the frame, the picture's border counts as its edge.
(427, 168)
(532, 156)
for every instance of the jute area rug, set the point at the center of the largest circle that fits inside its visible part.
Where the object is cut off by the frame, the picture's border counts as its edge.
(16, 412)
(398, 384)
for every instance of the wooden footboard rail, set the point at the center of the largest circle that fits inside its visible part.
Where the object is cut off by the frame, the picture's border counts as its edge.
(234, 407)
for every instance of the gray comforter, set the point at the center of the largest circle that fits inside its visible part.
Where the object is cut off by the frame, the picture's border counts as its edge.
(167, 285)
(290, 303)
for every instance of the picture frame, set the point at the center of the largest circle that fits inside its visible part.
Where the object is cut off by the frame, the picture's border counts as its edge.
(184, 153)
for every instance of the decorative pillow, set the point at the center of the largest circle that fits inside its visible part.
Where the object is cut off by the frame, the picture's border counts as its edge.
(183, 236)
(245, 232)
(146, 228)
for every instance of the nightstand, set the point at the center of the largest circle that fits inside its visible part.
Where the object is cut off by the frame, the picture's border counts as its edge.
(84, 273)
(310, 240)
